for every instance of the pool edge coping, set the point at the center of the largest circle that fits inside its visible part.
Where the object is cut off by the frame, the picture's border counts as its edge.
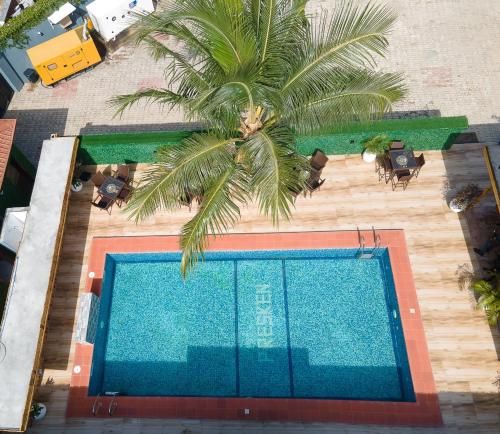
(424, 412)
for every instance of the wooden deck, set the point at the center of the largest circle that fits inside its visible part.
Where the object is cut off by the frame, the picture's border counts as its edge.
(464, 351)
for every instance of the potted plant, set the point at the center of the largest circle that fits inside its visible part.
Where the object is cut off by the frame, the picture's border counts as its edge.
(375, 146)
(488, 292)
(38, 411)
(76, 185)
(464, 198)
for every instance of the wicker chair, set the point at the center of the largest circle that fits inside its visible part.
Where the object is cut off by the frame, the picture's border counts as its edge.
(124, 196)
(103, 203)
(97, 179)
(384, 168)
(402, 178)
(420, 162)
(318, 159)
(122, 173)
(187, 200)
(397, 145)
(314, 185)
(295, 193)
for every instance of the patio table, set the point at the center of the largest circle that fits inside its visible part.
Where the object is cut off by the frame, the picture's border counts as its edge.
(111, 187)
(402, 160)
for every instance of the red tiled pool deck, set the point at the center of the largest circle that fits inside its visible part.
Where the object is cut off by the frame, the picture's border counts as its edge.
(424, 412)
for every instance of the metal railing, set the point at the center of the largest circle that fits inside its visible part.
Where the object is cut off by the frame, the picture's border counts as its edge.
(97, 405)
(114, 403)
(362, 252)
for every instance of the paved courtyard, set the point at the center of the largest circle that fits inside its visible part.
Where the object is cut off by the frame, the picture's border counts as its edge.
(448, 50)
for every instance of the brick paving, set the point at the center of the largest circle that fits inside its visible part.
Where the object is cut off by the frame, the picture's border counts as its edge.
(448, 50)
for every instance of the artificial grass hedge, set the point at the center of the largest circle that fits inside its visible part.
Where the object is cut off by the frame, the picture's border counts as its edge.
(126, 148)
(420, 134)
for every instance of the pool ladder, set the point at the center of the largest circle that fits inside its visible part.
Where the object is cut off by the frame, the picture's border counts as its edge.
(96, 407)
(114, 403)
(362, 254)
(97, 404)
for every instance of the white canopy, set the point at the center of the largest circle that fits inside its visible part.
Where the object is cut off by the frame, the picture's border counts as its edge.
(110, 18)
(13, 227)
(59, 15)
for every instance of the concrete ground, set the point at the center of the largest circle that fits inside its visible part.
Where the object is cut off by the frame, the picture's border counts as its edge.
(448, 50)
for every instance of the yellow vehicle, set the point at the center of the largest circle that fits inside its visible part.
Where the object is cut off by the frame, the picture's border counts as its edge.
(64, 55)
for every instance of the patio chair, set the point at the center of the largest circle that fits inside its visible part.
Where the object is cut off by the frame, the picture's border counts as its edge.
(402, 178)
(124, 196)
(97, 179)
(199, 196)
(122, 173)
(420, 162)
(384, 168)
(295, 193)
(397, 145)
(314, 174)
(187, 200)
(103, 203)
(318, 159)
(315, 185)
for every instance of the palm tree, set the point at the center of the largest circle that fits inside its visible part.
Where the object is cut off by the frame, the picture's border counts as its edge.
(254, 73)
(489, 298)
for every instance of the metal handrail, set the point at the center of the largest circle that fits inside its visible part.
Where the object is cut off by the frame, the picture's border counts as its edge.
(361, 250)
(376, 241)
(97, 405)
(112, 405)
(376, 245)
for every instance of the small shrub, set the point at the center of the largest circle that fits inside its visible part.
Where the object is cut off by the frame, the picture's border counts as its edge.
(377, 144)
(36, 408)
(489, 298)
(466, 195)
(13, 32)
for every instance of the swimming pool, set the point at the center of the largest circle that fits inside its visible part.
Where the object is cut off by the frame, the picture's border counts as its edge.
(288, 323)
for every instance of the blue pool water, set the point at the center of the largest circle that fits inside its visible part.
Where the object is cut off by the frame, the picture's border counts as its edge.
(300, 324)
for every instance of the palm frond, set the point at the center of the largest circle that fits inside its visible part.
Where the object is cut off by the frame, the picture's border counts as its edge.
(164, 97)
(181, 72)
(279, 28)
(218, 212)
(162, 25)
(276, 170)
(180, 169)
(224, 33)
(360, 95)
(351, 38)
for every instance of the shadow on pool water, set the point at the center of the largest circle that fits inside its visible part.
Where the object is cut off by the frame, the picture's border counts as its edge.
(250, 372)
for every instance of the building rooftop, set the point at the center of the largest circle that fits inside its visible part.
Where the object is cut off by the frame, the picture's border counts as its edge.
(23, 326)
(7, 128)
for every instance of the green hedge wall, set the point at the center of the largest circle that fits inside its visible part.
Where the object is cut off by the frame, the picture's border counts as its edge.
(420, 134)
(125, 148)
